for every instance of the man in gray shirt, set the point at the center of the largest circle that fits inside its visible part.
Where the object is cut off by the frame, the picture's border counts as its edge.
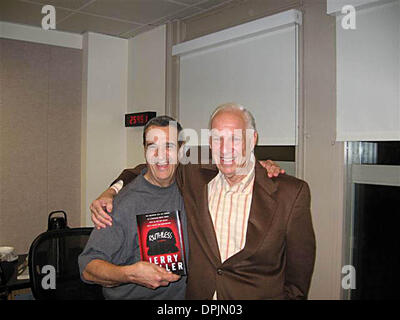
(112, 255)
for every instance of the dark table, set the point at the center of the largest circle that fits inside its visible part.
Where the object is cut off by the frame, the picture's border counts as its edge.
(13, 283)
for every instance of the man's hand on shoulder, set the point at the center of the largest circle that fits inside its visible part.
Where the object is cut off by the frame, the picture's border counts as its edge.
(100, 208)
(272, 168)
(148, 275)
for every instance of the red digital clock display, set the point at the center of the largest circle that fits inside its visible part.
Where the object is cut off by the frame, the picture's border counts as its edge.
(138, 119)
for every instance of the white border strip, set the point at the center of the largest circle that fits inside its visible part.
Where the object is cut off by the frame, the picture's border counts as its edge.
(334, 7)
(368, 136)
(34, 34)
(376, 174)
(245, 30)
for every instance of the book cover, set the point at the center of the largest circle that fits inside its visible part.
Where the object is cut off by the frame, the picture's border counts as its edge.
(161, 240)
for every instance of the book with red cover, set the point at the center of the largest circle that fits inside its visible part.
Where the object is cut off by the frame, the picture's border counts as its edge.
(161, 240)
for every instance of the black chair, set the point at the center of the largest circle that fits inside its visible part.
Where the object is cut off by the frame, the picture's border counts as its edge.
(3, 281)
(60, 249)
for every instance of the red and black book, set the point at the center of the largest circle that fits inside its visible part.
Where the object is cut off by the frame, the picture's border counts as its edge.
(161, 240)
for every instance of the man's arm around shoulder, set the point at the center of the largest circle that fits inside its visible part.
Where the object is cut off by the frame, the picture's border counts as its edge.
(103, 205)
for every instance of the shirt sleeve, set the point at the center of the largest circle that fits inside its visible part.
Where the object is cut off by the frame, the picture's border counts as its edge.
(128, 175)
(117, 186)
(104, 244)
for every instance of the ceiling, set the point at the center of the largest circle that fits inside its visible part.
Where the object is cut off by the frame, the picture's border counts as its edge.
(121, 18)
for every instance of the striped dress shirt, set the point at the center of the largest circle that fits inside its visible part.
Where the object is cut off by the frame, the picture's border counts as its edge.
(229, 207)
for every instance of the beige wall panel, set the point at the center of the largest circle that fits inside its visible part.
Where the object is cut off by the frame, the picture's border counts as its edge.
(40, 119)
(323, 158)
(23, 136)
(64, 129)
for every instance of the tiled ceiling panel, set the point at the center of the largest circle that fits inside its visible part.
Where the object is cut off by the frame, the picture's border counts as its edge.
(135, 32)
(188, 2)
(80, 23)
(210, 4)
(142, 11)
(122, 18)
(69, 4)
(24, 13)
(187, 12)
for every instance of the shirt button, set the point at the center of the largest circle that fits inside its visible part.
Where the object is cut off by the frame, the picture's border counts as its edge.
(219, 272)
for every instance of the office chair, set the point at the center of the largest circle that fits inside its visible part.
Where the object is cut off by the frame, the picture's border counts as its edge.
(3, 282)
(60, 249)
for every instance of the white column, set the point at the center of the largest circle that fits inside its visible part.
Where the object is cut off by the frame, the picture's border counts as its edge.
(104, 95)
(146, 84)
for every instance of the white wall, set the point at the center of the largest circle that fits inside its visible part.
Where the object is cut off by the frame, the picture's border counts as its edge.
(120, 76)
(146, 84)
(104, 95)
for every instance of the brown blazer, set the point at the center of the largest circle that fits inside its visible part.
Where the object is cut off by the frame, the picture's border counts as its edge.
(278, 258)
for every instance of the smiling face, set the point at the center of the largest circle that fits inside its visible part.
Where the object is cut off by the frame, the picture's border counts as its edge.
(231, 143)
(161, 152)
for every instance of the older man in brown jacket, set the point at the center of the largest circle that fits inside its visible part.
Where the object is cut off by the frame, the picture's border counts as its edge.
(250, 237)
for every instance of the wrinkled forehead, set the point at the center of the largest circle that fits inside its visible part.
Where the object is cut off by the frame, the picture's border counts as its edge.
(229, 119)
(229, 132)
(155, 134)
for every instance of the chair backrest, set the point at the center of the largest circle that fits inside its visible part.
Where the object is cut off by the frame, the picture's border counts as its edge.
(7, 270)
(60, 249)
(3, 287)
(3, 280)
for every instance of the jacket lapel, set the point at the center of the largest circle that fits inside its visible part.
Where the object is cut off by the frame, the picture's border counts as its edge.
(262, 211)
(203, 228)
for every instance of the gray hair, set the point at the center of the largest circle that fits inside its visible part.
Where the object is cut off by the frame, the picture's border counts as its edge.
(232, 106)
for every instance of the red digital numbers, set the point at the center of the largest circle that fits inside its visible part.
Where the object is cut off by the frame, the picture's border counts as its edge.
(138, 119)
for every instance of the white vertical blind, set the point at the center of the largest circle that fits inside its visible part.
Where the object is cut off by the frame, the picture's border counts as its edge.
(256, 67)
(368, 75)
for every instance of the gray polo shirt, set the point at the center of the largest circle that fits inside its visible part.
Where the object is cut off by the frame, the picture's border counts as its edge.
(119, 244)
